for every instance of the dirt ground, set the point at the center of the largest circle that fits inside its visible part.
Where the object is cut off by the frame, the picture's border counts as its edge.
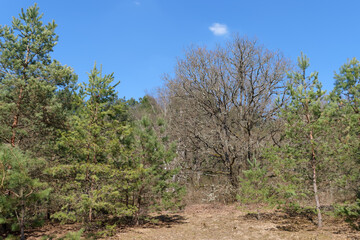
(220, 222)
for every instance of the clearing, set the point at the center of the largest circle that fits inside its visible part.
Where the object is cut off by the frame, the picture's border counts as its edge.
(216, 222)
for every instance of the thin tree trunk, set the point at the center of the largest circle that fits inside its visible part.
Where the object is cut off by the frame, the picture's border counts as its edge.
(137, 215)
(313, 163)
(22, 222)
(90, 214)
(91, 196)
(94, 162)
(317, 198)
(16, 118)
(88, 178)
(233, 177)
(22, 216)
(249, 153)
(127, 197)
(18, 103)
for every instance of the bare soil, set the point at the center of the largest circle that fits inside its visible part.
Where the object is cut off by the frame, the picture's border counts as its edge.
(219, 222)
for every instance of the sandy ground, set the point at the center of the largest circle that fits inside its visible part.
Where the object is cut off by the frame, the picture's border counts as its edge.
(215, 222)
(220, 222)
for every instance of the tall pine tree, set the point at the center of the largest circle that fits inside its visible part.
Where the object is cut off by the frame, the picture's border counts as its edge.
(89, 169)
(34, 88)
(299, 161)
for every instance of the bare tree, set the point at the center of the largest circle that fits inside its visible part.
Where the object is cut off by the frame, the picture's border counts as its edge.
(222, 103)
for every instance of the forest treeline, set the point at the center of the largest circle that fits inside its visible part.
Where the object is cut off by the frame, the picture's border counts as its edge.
(236, 123)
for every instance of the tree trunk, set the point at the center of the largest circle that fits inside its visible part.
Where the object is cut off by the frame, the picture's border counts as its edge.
(22, 234)
(16, 118)
(20, 96)
(249, 150)
(317, 198)
(91, 198)
(127, 196)
(313, 163)
(22, 216)
(233, 178)
(137, 215)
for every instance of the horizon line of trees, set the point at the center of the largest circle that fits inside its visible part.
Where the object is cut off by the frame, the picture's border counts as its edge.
(235, 123)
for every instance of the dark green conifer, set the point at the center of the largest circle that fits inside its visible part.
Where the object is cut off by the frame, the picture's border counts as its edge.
(35, 90)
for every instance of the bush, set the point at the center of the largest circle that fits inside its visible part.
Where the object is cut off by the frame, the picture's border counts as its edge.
(73, 235)
(254, 186)
(351, 214)
(21, 191)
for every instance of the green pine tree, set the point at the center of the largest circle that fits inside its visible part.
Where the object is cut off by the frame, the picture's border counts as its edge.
(154, 187)
(35, 90)
(346, 115)
(21, 191)
(347, 85)
(90, 168)
(299, 161)
(346, 95)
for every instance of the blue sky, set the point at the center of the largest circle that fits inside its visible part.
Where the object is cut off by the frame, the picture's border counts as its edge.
(139, 40)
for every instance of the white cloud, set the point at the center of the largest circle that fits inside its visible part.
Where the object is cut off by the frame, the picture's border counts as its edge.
(218, 29)
(137, 3)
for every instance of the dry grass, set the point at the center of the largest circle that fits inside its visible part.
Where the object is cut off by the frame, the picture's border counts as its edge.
(217, 222)
(228, 222)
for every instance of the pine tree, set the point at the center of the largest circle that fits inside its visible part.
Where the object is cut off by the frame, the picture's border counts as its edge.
(346, 95)
(347, 85)
(302, 156)
(35, 90)
(152, 156)
(90, 169)
(21, 191)
(346, 114)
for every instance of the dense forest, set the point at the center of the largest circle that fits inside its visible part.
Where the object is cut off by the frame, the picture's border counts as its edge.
(239, 123)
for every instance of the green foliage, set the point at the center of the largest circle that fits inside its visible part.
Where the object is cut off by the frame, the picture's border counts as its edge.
(347, 85)
(109, 166)
(73, 235)
(35, 90)
(255, 185)
(22, 193)
(11, 237)
(69, 236)
(90, 170)
(290, 174)
(306, 150)
(345, 98)
(109, 231)
(153, 155)
(351, 213)
(110, 158)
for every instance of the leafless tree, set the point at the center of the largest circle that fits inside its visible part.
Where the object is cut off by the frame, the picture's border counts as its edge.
(222, 104)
